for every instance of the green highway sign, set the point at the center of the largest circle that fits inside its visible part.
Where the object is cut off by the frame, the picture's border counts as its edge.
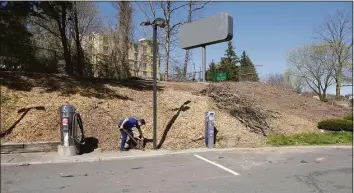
(221, 76)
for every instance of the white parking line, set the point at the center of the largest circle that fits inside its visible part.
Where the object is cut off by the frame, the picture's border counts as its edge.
(218, 165)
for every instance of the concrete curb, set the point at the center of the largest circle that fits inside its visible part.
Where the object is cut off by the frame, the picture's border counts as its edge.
(29, 147)
(106, 156)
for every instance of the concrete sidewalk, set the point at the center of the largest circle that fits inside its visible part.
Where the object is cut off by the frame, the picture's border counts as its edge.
(97, 155)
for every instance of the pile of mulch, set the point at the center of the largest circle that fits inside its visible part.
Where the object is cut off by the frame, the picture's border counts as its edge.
(240, 108)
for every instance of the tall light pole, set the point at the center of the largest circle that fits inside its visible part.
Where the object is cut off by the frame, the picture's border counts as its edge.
(160, 23)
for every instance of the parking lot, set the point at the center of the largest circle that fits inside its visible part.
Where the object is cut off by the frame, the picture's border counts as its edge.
(281, 170)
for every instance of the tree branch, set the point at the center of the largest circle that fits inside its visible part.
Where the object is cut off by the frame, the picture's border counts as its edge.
(172, 10)
(46, 28)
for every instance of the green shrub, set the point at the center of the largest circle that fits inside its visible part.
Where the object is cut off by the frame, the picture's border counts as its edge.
(348, 117)
(336, 125)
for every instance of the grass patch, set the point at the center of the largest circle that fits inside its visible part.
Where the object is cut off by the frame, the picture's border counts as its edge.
(348, 117)
(311, 138)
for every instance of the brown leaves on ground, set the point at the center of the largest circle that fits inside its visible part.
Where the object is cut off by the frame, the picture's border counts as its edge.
(181, 111)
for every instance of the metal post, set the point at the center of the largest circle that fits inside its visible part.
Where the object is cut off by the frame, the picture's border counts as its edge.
(204, 62)
(155, 85)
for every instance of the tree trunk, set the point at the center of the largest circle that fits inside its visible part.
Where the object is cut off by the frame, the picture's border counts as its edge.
(79, 53)
(168, 38)
(323, 97)
(338, 84)
(186, 59)
(167, 51)
(125, 27)
(62, 27)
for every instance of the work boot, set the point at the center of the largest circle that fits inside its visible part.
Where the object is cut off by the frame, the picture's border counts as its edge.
(124, 149)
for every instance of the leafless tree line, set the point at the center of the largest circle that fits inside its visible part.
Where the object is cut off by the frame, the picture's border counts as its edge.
(328, 61)
(168, 10)
(61, 28)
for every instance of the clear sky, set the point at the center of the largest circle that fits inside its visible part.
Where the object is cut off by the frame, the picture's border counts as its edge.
(267, 31)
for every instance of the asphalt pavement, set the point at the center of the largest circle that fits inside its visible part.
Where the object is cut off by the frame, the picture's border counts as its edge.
(279, 170)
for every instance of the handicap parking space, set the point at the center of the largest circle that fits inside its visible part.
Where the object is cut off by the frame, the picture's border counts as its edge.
(288, 170)
(239, 162)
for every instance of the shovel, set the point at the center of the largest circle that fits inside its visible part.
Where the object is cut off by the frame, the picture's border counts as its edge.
(139, 143)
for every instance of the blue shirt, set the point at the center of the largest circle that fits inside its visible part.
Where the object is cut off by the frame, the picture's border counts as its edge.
(132, 122)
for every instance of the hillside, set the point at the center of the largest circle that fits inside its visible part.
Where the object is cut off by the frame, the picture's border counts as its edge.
(181, 109)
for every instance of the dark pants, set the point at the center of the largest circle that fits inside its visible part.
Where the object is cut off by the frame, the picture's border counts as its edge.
(125, 136)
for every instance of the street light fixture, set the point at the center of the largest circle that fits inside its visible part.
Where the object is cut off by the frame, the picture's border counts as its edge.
(145, 23)
(159, 22)
(162, 24)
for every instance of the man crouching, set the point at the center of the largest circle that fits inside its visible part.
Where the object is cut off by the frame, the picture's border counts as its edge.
(127, 125)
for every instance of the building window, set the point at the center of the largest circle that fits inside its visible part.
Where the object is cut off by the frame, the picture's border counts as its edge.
(143, 58)
(144, 65)
(105, 40)
(91, 38)
(93, 59)
(144, 49)
(105, 49)
(144, 73)
(91, 49)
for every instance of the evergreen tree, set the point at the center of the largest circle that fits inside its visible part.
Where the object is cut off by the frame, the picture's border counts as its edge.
(247, 70)
(228, 63)
(211, 74)
(15, 39)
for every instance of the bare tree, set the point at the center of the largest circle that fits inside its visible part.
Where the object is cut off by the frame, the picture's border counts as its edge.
(86, 21)
(336, 31)
(297, 83)
(109, 65)
(286, 81)
(313, 63)
(277, 80)
(168, 9)
(114, 62)
(124, 9)
(89, 19)
(57, 12)
(79, 68)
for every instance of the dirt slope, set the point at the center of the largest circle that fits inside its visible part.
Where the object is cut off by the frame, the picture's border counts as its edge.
(181, 109)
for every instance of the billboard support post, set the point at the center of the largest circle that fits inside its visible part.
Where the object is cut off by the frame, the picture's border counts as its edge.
(204, 63)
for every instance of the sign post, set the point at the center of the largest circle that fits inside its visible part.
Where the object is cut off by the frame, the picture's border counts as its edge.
(204, 62)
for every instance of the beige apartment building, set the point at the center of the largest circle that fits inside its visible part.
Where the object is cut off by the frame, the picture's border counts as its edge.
(139, 55)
